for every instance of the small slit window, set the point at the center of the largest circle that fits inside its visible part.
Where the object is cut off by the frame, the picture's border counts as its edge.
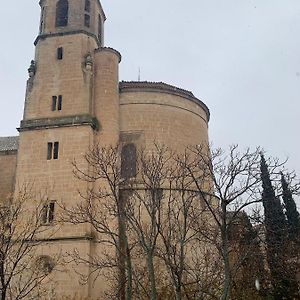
(54, 103)
(50, 150)
(87, 20)
(87, 5)
(60, 53)
(55, 150)
(59, 103)
(62, 11)
(128, 161)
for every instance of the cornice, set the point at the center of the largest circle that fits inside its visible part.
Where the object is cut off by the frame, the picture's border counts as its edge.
(109, 49)
(67, 121)
(56, 34)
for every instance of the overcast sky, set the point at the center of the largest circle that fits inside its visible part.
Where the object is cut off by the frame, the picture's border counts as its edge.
(241, 57)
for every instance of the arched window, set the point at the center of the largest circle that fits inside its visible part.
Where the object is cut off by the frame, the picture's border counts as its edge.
(42, 22)
(87, 5)
(62, 10)
(128, 161)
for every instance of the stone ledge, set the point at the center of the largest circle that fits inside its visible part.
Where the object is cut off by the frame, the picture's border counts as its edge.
(80, 31)
(68, 121)
(8, 152)
(66, 238)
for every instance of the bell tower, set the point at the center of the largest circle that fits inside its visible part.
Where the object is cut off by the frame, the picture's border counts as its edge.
(71, 103)
(71, 16)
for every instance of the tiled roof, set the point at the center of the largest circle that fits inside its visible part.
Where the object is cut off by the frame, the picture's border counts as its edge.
(158, 85)
(9, 143)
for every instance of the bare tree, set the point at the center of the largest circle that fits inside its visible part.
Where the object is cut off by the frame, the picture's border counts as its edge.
(229, 183)
(165, 223)
(22, 271)
(186, 259)
(144, 206)
(102, 207)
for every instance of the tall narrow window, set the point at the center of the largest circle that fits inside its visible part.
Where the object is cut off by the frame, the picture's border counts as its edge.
(99, 28)
(48, 213)
(54, 103)
(87, 20)
(49, 151)
(128, 161)
(55, 150)
(87, 5)
(60, 53)
(62, 11)
(59, 103)
(52, 150)
(42, 20)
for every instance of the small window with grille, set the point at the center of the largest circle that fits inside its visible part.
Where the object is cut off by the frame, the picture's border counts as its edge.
(87, 5)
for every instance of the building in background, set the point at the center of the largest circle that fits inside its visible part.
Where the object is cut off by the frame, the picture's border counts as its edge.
(74, 100)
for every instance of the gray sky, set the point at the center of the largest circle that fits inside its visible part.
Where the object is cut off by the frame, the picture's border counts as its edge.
(241, 57)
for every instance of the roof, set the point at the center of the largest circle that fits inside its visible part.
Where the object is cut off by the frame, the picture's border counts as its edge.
(162, 87)
(9, 143)
(150, 84)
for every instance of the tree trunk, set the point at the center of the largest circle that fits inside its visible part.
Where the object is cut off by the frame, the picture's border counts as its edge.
(178, 293)
(129, 273)
(150, 265)
(122, 250)
(2, 278)
(225, 250)
(3, 294)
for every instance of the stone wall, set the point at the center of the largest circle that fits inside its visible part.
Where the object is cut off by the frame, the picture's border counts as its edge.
(8, 162)
(162, 117)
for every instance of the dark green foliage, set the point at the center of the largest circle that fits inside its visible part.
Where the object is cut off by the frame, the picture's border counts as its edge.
(281, 271)
(247, 245)
(293, 218)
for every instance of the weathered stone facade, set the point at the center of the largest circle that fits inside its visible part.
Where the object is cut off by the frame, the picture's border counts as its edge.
(72, 66)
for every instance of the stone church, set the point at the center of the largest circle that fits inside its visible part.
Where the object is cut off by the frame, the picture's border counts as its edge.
(74, 100)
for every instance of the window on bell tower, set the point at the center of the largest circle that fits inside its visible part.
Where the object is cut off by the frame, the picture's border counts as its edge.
(42, 21)
(62, 11)
(87, 5)
(60, 53)
(56, 103)
(87, 20)
(52, 150)
(99, 28)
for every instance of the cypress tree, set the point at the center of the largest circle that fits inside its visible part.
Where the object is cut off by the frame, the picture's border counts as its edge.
(293, 217)
(282, 274)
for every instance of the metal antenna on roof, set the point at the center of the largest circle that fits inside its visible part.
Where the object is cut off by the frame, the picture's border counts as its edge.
(139, 77)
